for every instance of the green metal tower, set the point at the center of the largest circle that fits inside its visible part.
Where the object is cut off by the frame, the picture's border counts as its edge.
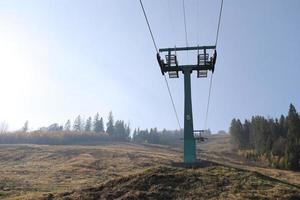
(205, 63)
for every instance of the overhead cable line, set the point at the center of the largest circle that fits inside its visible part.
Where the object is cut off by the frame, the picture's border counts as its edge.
(175, 111)
(184, 19)
(220, 17)
(208, 101)
(155, 46)
(148, 24)
(211, 77)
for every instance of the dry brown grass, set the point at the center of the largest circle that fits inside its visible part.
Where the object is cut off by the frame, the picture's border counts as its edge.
(215, 150)
(214, 182)
(27, 170)
(35, 171)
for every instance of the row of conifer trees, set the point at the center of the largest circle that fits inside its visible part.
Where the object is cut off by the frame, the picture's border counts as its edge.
(277, 140)
(118, 129)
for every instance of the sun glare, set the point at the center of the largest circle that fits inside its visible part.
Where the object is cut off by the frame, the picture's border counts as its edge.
(16, 69)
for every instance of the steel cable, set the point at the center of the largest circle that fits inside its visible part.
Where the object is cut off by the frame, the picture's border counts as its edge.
(155, 46)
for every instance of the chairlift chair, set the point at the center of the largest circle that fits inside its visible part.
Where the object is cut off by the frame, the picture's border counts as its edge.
(172, 62)
(203, 61)
(198, 136)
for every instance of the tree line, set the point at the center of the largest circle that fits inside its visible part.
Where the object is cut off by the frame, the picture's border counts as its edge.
(164, 137)
(68, 133)
(277, 140)
(91, 131)
(118, 129)
(153, 136)
(79, 125)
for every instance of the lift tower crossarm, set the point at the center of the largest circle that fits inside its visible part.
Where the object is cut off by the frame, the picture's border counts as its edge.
(170, 65)
(187, 48)
(182, 67)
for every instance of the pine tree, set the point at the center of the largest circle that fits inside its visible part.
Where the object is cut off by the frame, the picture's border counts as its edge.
(260, 130)
(98, 124)
(88, 125)
(82, 127)
(67, 126)
(293, 135)
(110, 124)
(3, 127)
(101, 125)
(134, 135)
(95, 122)
(25, 127)
(119, 131)
(236, 130)
(283, 126)
(246, 134)
(293, 120)
(77, 125)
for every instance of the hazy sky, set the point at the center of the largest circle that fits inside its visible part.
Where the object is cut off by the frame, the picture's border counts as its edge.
(62, 58)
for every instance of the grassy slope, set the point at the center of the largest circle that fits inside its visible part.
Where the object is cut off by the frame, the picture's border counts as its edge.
(215, 182)
(218, 149)
(129, 171)
(27, 170)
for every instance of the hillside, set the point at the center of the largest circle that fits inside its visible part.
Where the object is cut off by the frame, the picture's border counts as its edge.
(28, 171)
(215, 182)
(130, 171)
